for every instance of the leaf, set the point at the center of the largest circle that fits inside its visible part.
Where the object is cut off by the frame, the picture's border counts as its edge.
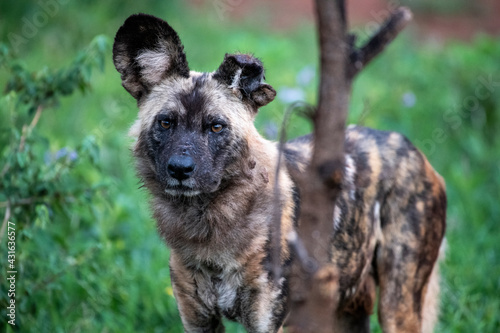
(21, 159)
(42, 214)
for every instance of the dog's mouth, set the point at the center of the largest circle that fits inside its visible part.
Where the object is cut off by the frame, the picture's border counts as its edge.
(182, 190)
(189, 187)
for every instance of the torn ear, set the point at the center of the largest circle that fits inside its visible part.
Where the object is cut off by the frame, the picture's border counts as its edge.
(145, 52)
(245, 75)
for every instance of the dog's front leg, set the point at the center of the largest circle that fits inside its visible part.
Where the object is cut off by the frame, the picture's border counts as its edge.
(195, 299)
(263, 304)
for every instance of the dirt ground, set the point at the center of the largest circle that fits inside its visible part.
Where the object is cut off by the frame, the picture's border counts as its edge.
(483, 17)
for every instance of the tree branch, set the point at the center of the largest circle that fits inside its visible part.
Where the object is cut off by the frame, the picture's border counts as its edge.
(276, 233)
(20, 202)
(5, 220)
(324, 174)
(27, 129)
(359, 58)
(308, 264)
(278, 211)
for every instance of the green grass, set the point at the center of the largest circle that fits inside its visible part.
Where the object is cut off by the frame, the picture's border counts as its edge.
(106, 270)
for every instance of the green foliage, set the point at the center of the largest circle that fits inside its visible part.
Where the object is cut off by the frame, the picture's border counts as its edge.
(43, 88)
(72, 268)
(38, 183)
(87, 252)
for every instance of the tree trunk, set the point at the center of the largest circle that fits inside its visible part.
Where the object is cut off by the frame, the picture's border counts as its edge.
(314, 281)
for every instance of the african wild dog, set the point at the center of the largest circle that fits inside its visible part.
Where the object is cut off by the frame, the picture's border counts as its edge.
(211, 177)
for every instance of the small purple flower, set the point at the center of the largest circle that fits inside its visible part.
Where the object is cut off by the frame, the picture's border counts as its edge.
(289, 95)
(61, 153)
(47, 157)
(409, 99)
(271, 130)
(73, 155)
(306, 75)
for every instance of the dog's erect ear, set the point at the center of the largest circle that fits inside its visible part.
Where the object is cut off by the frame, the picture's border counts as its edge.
(244, 74)
(146, 51)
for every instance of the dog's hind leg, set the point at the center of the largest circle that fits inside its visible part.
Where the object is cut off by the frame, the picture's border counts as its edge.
(352, 323)
(402, 309)
(402, 285)
(355, 317)
(413, 223)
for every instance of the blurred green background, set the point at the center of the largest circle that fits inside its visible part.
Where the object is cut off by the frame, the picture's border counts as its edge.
(88, 258)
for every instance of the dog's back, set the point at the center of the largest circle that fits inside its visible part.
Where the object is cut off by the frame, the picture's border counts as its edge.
(388, 226)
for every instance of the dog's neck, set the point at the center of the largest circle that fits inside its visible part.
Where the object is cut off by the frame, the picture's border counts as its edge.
(220, 226)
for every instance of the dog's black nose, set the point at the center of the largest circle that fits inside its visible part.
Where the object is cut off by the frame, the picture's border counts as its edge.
(180, 167)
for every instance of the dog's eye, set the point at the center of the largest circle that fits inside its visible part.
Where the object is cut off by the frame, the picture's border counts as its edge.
(216, 128)
(165, 124)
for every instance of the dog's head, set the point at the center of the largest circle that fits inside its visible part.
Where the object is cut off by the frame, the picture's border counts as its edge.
(193, 128)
